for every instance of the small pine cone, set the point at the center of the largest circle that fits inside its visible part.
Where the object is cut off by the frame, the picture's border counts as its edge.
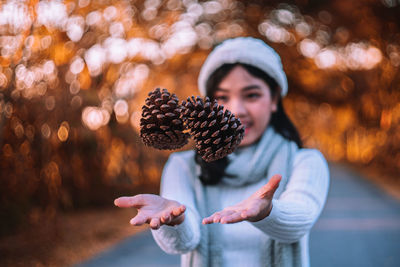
(217, 133)
(160, 125)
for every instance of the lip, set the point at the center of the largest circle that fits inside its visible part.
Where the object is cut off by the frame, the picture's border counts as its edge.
(247, 127)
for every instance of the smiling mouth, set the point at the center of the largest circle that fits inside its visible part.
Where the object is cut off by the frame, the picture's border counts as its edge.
(247, 127)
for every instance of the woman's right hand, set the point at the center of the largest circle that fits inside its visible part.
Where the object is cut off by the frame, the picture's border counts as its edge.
(153, 209)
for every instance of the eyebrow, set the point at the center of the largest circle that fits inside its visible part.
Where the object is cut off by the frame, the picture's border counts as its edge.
(247, 88)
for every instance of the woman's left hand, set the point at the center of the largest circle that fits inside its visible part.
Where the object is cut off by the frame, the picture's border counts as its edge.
(253, 209)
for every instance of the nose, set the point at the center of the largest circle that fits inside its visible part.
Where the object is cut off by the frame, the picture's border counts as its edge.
(237, 107)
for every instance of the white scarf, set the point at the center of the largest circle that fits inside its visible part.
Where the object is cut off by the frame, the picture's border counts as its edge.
(272, 154)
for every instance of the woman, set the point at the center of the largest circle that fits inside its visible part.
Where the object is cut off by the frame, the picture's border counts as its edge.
(256, 206)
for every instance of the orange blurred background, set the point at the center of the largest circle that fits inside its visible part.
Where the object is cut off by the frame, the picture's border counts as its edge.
(74, 75)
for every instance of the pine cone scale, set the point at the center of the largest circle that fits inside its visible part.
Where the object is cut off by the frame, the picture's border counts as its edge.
(161, 126)
(216, 132)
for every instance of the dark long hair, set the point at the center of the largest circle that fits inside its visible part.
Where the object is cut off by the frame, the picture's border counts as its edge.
(211, 173)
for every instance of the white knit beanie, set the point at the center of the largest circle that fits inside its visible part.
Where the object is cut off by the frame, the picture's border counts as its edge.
(245, 50)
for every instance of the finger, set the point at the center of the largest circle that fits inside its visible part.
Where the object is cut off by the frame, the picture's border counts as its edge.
(250, 213)
(178, 210)
(225, 213)
(182, 208)
(216, 217)
(166, 218)
(127, 202)
(233, 218)
(155, 223)
(208, 220)
(268, 190)
(138, 220)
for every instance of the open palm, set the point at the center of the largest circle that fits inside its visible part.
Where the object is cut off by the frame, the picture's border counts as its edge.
(153, 209)
(255, 208)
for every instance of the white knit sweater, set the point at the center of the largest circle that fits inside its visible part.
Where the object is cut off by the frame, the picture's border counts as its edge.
(241, 244)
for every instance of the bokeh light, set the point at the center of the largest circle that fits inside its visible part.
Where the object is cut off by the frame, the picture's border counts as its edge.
(94, 118)
(16, 16)
(63, 131)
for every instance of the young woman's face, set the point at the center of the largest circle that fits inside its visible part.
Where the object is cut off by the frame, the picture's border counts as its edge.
(249, 98)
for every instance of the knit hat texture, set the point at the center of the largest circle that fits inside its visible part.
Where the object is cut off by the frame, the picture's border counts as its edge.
(245, 50)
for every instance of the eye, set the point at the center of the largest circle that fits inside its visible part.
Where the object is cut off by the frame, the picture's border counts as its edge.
(221, 98)
(252, 96)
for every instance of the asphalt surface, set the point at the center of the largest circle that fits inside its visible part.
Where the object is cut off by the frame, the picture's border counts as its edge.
(359, 226)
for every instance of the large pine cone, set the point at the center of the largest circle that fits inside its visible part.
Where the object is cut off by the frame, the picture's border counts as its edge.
(217, 133)
(161, 126)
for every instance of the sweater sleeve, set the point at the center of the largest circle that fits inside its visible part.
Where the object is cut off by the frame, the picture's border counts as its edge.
(299, 206)
(176, 185)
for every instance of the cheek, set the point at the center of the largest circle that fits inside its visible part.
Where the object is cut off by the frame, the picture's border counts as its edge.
(261, 113)
(261, 118)
(261, 124)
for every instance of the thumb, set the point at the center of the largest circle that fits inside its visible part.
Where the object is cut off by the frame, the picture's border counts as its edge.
(268, 190)
(127, 202)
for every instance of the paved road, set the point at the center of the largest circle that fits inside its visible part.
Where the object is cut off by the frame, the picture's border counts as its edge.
(360, 226)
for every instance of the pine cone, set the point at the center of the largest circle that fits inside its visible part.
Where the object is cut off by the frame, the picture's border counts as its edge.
(217, 133)
(160, 125)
